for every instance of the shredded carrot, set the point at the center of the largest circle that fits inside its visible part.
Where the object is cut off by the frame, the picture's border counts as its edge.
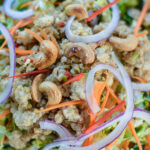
(3, 114)
(98, 90)
(26, 4)
(148, 138)
(27, 74)
(21, 51)
(76, 78)
(113, 94)
(104, 118)
(140, 79)
(44, 35)
(141, 18)
(142, 34)
(135, 135)
(12, 32)
(28, 21)
(103, 104)
(61, 105)
(101, 10)
(147, 146)
(126, 144)
(35, 35)
(111, 144)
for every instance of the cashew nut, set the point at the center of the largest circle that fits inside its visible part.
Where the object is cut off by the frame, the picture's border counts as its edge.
(47, 56)
(36, 95)
(128, 44)
(52, 91)
(82, 51)
(77, 10)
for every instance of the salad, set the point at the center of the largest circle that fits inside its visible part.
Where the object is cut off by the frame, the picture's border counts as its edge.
(74, 74)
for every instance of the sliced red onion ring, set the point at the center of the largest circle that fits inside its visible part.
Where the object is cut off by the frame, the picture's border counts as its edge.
(96, 37)
(50, 125)
(15, 14)
(12, 55)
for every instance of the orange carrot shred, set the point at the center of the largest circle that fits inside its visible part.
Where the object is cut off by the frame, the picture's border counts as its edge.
(61, 105)
(140, 79)
(126, 144)
(141, 34)
(102, 10)
(141, 18)
(76, 78)
(103, 104)
(26, 4)
(135, 135)
(3, 114)
(12, 32)
(21, 51)
(35, 35)
(111, 144)
(27, 74)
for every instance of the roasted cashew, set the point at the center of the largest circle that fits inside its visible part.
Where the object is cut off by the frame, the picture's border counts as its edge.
(36, 95)
(77, 10)
(128, 44)
(81, 50)
(52, 91)
(47, 56)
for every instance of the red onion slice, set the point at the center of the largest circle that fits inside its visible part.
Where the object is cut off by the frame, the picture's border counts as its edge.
(15, 14)
(96, 37)
(50, 125)
(12, 55)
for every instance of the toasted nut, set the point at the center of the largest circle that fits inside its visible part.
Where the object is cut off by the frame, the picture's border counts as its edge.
(128, 44)
(52, 91)
(47, 56)
(77, 10)
(82, 51)
(36, 95)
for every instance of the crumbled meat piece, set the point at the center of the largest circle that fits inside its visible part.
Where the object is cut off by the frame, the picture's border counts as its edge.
(22, 93)
(59, 117)
(25, 120)
(77, 128)
(16, 141)
(45, 21)
(71, 113)
(25, 39)
(77, 90)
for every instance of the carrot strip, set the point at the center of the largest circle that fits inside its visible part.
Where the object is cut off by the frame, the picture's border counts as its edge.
(102, 10)
(111, 144)
(148, 138)
(28, 21)
(142, 34)
(103, 104)
(26, 4)
(126, 144)
(44, 35)
(27, 74)
(142, 15)
(61, 105)
(3, 114)
(76, 78)
(12, 32)
(135, 135)
(21, 51)
(35, 35)
(104, 118)
(140, 79)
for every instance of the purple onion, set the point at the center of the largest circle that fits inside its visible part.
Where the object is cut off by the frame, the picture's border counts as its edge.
(12, 56)
(50, 125)
(96, 37)
(14, 13)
